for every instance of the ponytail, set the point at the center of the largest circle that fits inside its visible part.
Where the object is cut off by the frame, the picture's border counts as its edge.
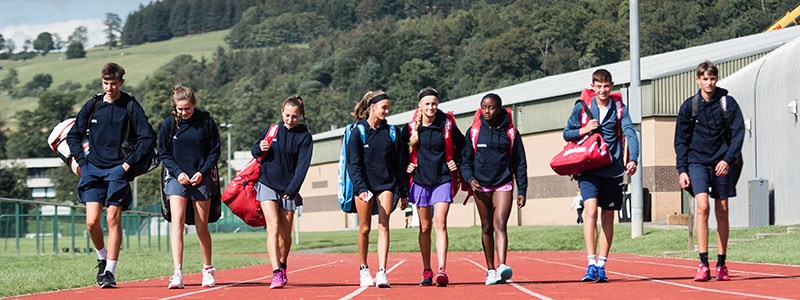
(361, 110)
(414, 139)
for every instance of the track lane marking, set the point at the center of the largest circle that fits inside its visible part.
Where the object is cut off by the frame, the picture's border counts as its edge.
(514, 284)
(364, 288)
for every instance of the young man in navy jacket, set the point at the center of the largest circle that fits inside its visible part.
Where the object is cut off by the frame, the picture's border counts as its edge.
(602, 187)
(103, 179)
(709, 132)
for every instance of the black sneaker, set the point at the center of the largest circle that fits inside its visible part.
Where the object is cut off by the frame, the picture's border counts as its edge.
(108, 280)
(427, 278)
(101, 267)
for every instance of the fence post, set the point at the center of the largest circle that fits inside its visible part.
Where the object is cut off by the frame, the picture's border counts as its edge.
(72, 219)
(38, 227)
(55, 229)
(158, 227)
(18, 223)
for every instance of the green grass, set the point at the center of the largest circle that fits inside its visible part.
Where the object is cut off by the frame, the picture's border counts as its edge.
(51, 272)
(139, 62)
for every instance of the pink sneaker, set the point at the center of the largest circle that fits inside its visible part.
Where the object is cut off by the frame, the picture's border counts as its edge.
(703, 273)
(722, 273)
(278, 280)
(441, 278)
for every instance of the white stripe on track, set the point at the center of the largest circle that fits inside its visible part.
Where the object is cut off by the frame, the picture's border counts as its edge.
(364, 288)
(690, 267)
(668, 283)
(514, 284)
(246, 281)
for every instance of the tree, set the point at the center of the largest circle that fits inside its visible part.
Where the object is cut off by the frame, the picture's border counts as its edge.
(81, 34)
(58, 42)
(26, 46)
(40, 82)
(75, 50)
(43, 43)
(64, 182)
(10, 46)
(11, 79)
(34, 126)
(113, 27)
(2, 43)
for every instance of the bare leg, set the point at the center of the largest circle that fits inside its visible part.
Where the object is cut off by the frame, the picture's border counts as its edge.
(113, 215)
(364, 210)
(177, 211)
(721, 212)
(201, 213)
(590, 225)
(440, 225)
(425, 222)
(94, 211)
(483, 201)
(502, 203)
(285, 234)
(271, 210)
(607, 221)
(701, 221)
(385, 199)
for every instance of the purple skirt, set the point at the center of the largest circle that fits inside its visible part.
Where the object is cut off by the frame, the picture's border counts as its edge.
(423, 196)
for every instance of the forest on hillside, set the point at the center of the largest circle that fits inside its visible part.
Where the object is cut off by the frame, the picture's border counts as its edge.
(332, 52)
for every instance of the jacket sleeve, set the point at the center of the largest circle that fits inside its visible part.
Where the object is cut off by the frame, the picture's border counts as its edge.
(520, 164)
(301, 169)
(144, 132)
(683, 136)
(355, 161)
(163, 153)
(402, 162)
(214, 148)
(467, 159)
(256, 151)
(737, 132)
(572, 129)
(630, 136)
(75, 134)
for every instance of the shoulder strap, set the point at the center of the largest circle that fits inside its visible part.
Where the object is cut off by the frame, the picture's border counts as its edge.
(172, 128)
(363, 132)
(726, 125)
(271, 133)
(695, 107)
(129, 124)
(511, 131)
(393, 132)
(95, 102)
(447, 133)
(475, 129)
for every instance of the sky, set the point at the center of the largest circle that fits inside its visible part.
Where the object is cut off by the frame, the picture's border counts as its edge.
(26, 19)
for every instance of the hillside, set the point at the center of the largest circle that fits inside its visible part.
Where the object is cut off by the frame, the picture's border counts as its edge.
(139, 62)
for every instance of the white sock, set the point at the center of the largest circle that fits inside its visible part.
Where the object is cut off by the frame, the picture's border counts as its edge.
(601, 261)
(111, 266)
(592, 259)
(178, 269)
(207, 267)
(101, 253)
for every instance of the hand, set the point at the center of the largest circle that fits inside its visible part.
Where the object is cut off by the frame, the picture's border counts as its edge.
(452, 165)
(411, 167)
(521, 200)
(403, 203)
(630, 168)
(286, 198)
(264, 146)
(126, 167)
(364, 196)
(683, 180)
(475, 185)
(196, 179)
(183, 179)
(722, 168)
(591, 126)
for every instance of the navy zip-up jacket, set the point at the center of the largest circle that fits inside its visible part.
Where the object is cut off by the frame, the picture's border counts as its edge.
(191, 151)
(493, 164)
(106, 132)
(379, 164)
(432, 167)
(706, 142)
(285, 165)
(608, 129)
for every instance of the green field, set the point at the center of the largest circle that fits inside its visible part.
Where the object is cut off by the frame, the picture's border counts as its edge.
(53, 272)
(139, 62)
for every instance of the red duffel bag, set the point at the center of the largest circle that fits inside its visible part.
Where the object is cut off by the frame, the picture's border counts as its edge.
(591, 151)
(240, 194)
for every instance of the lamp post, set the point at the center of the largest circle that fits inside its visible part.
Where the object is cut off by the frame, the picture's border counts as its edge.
(228, 172)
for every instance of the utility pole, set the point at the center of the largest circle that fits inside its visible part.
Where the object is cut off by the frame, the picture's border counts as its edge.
(635, 111)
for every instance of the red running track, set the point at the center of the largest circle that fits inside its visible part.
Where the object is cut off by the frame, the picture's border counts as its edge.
(537, 275)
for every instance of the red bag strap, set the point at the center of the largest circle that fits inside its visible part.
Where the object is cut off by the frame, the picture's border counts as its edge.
(271, 133)
(619, 105)
(447, 132)
(475, 130)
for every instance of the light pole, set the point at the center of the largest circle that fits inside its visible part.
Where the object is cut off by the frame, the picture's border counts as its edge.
(228, 172)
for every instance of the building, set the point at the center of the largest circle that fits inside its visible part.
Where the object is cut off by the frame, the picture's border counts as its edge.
(40, 185)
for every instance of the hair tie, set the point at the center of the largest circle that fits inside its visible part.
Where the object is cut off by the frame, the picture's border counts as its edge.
(378, 98)
(429, 92)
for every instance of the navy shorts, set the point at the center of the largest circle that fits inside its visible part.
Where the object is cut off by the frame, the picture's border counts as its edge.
(703, 177)
(197, 193)
(607, 191)
(107, 186)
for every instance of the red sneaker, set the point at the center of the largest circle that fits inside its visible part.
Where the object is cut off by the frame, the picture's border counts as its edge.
(722, 273)
(441, 278)
(703, 273)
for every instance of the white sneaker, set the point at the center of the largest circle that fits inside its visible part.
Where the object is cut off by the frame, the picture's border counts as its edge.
(492, 277)
(176, 281)
(208, 278)
(504, 272)
(380, 279)
(365, 277)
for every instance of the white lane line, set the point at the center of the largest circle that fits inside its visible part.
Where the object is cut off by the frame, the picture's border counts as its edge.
(514, 284)
(246, 281)
(690, 267)
(668, 283)
(364, 288)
